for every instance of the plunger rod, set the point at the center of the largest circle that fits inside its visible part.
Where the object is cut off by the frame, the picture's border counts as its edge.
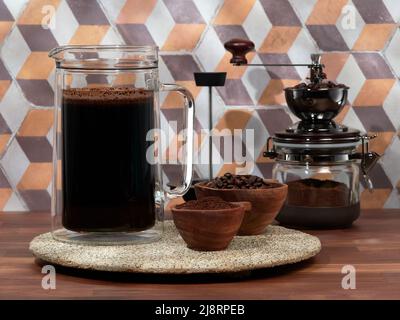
(210, 126)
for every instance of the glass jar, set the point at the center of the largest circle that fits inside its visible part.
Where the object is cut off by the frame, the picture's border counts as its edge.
(319, 196)
(107, 182)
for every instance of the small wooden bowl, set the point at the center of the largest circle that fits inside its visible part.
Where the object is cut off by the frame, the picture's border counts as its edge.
(209, 230)
(265, 204)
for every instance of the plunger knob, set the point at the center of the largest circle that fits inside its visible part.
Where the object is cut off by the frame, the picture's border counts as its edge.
(239, 48)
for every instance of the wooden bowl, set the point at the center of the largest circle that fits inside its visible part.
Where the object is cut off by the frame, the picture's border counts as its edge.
(265, 203)
(208, 230)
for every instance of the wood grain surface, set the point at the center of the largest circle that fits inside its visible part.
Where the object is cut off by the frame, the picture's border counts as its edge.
(372, 246)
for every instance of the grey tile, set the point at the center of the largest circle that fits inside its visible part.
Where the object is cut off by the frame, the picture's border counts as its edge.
(5, 14)
(373, 65)
(37, 149)
(87, 12)
(181, 67)
(279, 72)
(274, 120)
(4, 75)
(37, 92)
(374, 119)
(379, 178)
(373, 11)
(234, 93)
(184, 11)
(135, 34)
(280, 13)
(36, 200)
(37, 38)
(228, 32)
(327, 37)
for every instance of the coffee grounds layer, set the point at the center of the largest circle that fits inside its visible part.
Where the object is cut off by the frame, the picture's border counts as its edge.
(207, 203)
(108, 185)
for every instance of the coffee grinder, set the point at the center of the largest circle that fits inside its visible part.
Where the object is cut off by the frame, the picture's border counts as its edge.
(320, 160)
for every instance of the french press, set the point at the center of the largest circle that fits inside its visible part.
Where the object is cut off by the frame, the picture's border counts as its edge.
(317, 158)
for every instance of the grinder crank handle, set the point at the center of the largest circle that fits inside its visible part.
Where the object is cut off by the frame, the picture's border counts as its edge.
(239, 48)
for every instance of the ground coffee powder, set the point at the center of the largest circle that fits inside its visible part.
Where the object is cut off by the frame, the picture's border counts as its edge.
(207, 203)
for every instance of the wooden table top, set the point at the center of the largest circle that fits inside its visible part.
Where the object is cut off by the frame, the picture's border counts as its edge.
(372, 246)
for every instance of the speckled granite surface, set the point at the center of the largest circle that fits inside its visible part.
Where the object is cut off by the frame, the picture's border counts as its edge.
(277, 246)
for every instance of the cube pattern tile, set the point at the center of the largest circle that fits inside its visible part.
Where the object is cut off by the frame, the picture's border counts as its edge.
(359, 40)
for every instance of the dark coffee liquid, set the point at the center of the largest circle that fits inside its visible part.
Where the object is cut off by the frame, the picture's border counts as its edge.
(108, 185)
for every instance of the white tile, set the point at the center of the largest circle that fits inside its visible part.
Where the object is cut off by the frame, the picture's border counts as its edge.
(350, 35)
(301, 51)
(260, 135)
(14, 107)
(112, 8)
(351, 120)
(393, 53)
(255, 79)
(65, 24)
(202, 107)
(257, 25)
(352, 75)
(393, 8)
(390, 161)
(14, 163)
(160, 23)
(15, 6)
(112, 38)
(303, 8)
(15, 51)
(208, 8)
(393, 201)
(210, 51)
(15, 204)
(391, 105)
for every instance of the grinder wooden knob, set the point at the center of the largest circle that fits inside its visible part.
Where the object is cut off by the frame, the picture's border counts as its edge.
(239, 48)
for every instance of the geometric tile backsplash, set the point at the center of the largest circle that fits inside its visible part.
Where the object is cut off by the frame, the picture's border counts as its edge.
(359, 41)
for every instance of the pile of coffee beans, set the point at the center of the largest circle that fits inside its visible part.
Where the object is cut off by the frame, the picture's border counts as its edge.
(320, 85)
(206, 203)
(231, 181)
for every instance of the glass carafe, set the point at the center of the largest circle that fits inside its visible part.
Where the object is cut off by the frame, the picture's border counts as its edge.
(107, 183)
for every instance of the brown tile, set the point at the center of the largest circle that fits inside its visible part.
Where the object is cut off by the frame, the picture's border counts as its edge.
(5, 27)
(33, 12)
(232, 72)
(37, 176)
(279, 39)
(183, 37)
(5, 194)
(37, 123)
(4, 138)
(140, 16)
(374, 92)
(234, 12)
(374, 37)
(381, 142)
(234, 93)
(374, 119)
(89, 34)
(326, 11)
(174, 100)
(274, 94)
(37, 66)
(234, 119)
(373, 11)
(4, 85)
(374, 200)
(334, 63)
(373, 65)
